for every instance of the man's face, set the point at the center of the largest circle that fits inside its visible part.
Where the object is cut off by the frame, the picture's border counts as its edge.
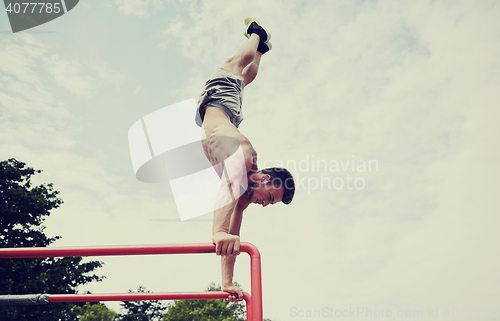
(265, 194)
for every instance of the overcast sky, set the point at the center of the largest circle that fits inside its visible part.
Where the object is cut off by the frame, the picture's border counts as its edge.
(386, 112)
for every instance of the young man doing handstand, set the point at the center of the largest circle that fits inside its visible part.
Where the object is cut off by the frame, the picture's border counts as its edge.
(231, 153)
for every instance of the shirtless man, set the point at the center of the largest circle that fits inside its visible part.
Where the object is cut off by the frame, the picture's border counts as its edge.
(232, 155)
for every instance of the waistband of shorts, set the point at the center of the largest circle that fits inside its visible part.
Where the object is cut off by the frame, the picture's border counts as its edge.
(220, 106)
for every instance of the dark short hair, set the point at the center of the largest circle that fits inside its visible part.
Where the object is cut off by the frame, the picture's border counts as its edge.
(281, 177)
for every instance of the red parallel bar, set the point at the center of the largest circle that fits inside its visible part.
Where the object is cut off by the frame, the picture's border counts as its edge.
(256, 286)
(33, 252)
(142, 296)
(150, 296)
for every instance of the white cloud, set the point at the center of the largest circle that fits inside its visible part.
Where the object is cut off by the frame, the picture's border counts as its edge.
(30, 114)
(139, 8)
(208, 33)
(69, 75)
(113, 77)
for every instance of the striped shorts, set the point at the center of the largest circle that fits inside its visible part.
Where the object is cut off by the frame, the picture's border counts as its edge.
(223, 90)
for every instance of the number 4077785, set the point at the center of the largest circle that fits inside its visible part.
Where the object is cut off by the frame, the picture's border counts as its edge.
(34, 7)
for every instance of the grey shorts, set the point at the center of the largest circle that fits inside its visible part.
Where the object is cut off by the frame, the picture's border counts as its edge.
(223, 90)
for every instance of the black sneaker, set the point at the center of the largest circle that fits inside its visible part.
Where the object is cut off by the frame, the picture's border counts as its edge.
(254, 26)
(264, 47)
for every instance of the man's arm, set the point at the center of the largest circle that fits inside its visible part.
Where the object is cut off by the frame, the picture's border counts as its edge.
(225, 204)
(226, 243)
(229, 206)
(234, 176)
(227, 262)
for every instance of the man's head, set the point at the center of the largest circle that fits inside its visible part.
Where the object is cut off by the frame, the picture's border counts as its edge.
(270, 186)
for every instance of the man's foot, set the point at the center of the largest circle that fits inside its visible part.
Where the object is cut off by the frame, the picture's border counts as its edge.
(264, 47)
(254, 26)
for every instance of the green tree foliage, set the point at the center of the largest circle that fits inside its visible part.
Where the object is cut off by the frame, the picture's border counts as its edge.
(23, 209)
(199, 310)
(94, 312)
(142, 310)
(205, 310)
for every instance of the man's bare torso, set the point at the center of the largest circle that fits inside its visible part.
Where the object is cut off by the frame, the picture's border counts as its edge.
(216, 124)
(216, 127)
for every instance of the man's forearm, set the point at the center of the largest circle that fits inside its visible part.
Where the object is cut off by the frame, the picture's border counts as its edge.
(227, 265)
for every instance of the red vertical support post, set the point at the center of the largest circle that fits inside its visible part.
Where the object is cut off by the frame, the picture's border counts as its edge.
(248, 300)
(256, 280)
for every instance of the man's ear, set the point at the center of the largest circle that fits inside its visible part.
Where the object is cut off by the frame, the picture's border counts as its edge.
(265, 178)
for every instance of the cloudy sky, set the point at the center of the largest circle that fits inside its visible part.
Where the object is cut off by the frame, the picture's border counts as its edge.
(386, 112)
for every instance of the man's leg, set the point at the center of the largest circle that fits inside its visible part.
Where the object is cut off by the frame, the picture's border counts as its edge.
(244, 57)
(250, 71)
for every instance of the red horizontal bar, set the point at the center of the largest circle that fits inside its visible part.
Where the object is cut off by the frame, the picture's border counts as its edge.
(33, 252)
(142, 296)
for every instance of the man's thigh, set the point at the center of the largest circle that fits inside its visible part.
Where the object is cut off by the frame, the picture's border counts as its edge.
(233, 67)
